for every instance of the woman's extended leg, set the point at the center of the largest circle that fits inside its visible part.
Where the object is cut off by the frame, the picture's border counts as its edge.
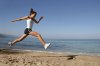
(19, 39)
(46, 45)
(38, 36)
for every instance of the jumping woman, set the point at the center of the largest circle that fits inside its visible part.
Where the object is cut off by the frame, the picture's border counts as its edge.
(28, 31)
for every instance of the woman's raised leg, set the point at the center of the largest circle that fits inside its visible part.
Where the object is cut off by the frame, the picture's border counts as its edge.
(38, 36)
(46, 45)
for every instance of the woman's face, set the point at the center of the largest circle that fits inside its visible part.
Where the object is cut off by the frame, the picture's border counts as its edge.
(32, 15)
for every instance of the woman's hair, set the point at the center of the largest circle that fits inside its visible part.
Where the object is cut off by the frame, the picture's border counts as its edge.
(32, 11)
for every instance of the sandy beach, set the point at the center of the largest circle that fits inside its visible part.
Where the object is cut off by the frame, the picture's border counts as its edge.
(27, 58)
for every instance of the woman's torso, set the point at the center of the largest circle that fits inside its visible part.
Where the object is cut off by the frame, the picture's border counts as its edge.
(29, 23)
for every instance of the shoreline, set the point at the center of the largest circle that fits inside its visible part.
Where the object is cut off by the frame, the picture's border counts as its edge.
(65, 53)
(31, 58)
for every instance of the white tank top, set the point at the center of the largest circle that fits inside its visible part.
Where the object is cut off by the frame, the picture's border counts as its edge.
(29, 23)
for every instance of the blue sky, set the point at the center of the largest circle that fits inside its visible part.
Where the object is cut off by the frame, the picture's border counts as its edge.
(66, 19)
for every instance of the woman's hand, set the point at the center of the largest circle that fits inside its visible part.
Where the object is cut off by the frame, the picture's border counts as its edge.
(41, 17)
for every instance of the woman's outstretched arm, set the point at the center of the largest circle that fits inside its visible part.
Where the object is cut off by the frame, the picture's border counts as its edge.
(19, 19)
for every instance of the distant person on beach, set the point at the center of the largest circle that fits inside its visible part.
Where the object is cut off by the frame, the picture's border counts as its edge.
(28, 31)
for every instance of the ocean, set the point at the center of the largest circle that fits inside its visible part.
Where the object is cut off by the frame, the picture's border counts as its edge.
(69, 46)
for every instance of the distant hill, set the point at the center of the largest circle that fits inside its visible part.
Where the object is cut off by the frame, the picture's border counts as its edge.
(5, 35)
(2, 35)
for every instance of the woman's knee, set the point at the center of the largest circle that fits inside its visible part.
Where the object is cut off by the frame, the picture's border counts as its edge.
(35, 34)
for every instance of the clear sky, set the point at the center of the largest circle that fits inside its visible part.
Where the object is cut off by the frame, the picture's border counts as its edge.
(70, 19)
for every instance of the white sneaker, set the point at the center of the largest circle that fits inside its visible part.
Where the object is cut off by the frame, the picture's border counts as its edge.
(47, 45)
(10, 44)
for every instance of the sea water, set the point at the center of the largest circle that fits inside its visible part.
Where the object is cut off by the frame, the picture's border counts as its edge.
(71, 46)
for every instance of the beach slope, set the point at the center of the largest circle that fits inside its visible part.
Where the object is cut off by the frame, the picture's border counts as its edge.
(28, 58)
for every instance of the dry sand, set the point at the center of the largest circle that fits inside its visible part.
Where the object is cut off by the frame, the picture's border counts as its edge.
(16, 58)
